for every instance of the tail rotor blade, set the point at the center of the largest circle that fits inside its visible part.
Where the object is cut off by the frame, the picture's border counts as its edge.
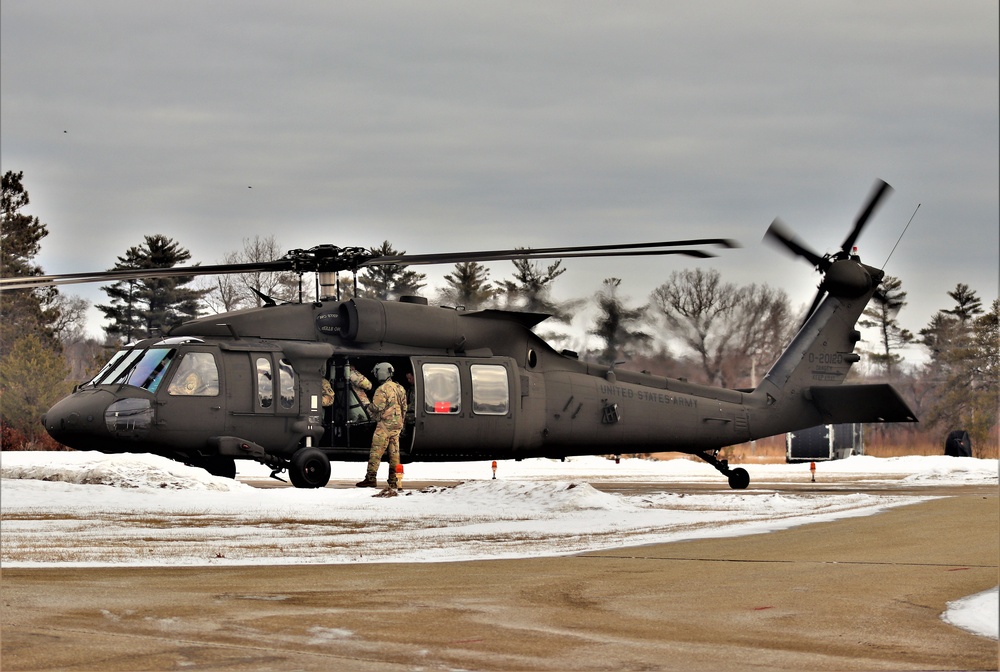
(780, 234)
(879, 191)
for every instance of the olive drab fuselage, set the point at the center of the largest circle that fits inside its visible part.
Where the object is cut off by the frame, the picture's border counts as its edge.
(485, 387)
(274, 384)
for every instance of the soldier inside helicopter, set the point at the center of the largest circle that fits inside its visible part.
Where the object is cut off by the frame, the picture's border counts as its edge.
(350, 426)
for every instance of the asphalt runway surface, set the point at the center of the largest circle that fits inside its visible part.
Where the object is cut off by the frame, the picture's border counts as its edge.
(853, 594)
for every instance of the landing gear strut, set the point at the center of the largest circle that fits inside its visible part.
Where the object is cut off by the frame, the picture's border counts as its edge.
(739, 479)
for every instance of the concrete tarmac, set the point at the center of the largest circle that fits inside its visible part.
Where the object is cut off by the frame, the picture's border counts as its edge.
(854, 594)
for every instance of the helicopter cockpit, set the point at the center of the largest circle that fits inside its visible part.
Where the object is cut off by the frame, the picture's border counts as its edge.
(145, 368)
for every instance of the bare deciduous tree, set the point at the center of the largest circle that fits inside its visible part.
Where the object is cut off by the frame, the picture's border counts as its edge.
(244, 290)
(733, 331)
(694, 304)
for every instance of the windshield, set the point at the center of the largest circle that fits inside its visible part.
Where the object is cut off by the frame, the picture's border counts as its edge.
(112, 363)
(139, 368)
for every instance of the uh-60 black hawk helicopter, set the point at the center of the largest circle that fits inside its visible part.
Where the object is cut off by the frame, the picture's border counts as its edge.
(249, 384)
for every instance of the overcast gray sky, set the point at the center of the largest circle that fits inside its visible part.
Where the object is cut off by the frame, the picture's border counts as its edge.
(451, 126)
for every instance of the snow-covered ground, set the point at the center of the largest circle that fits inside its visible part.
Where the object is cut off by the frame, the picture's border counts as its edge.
(90, 509)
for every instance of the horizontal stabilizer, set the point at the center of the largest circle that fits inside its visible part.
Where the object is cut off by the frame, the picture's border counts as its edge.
(860, 403)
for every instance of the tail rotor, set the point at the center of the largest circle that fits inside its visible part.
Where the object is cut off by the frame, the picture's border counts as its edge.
(843, 274)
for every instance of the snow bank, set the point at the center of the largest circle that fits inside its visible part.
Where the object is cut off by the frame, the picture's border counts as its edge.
(91, 509)
(978, 614)
(131, 470)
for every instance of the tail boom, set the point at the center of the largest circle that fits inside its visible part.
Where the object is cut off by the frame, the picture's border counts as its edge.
(804, 386)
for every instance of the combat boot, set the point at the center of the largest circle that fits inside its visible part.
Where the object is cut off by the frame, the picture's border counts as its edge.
(369, 482)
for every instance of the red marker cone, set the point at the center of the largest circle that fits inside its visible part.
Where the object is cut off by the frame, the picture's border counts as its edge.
(399, 476)
(812, 470)
(494, 470)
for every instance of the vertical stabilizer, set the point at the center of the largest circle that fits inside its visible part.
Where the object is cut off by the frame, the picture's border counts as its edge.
(804, 387)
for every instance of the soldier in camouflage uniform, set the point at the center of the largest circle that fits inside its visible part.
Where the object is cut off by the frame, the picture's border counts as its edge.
(358, 383)
(388, 406)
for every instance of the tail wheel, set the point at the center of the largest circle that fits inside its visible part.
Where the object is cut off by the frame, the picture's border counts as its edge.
(309, 468)
(739, 479)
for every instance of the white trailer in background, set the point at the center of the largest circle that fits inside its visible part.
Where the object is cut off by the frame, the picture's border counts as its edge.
(825, 442)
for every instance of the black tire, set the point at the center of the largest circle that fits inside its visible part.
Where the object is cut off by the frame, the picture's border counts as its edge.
(309, 468)
(739, 479)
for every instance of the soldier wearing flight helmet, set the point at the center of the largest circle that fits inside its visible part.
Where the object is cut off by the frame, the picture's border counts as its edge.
(388, 407)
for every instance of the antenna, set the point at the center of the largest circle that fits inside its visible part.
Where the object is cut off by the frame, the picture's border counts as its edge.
(900, 236)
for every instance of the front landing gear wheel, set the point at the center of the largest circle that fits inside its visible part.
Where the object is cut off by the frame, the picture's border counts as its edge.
(739, 479)
(309, 468)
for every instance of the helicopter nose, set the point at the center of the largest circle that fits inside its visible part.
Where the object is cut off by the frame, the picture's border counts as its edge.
(78, 420)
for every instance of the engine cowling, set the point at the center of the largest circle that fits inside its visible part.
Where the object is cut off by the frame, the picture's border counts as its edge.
(372, 321)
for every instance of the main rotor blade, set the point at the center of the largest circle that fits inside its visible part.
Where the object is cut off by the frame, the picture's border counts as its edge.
(540, 252)
(119, 275)
(779, 233)
(335, 259)
(879, 190)
(627, 249)
(417, 260)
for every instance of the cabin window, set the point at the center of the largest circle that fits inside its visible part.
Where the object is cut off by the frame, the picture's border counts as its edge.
(265, 386)
(286, 383)
(490, 392)
(197, 375)
(442, 388)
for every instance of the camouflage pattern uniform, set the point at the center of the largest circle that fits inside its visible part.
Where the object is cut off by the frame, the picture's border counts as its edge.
(358, 382)
(361, 385)
(389, 407)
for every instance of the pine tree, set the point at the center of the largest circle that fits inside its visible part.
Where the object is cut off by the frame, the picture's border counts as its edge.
(617, 325)
(23, 311)
(468, 286)
(881, 314)
(389, 281)
(143, 307)
(32, 378)
(963, 367)
(531, 290)
(967, 304)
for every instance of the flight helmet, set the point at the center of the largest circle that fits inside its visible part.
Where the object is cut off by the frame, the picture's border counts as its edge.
(383, 371)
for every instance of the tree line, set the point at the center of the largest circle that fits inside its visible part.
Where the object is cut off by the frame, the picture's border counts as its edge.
(694, 325)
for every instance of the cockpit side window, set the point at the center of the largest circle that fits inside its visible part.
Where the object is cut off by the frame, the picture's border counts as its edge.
(265, 382)
(197, 375)
(148, 372)
(286, 383)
